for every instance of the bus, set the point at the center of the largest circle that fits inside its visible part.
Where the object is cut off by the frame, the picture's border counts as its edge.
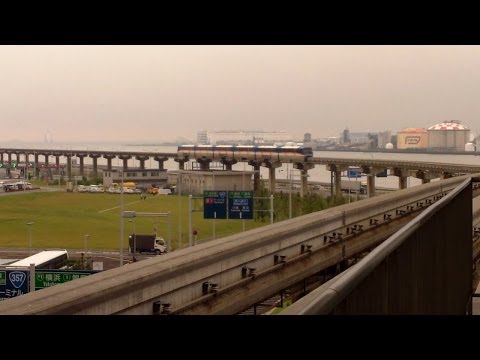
(48, 259)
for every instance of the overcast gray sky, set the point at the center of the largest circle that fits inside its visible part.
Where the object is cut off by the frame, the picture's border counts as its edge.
(153, 93)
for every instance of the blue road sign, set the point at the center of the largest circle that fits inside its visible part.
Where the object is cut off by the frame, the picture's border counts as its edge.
(13, 283)
(354, 172)
(240, 205)
(214, 204)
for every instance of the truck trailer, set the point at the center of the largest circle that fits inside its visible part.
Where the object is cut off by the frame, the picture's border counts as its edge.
(146, 244)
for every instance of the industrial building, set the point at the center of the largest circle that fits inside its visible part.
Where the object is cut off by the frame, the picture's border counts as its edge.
(449, 135)
(196, 182)
(412, 138)
(143, 178)
(243, 137)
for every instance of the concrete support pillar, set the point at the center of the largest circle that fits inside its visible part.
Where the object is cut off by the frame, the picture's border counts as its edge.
(304, 182)
(272, 166)
(36, 166)
(1, 157)
(125, 159)
(371, 185)
(371, 171)
(82, 163)
(109, 160)
(142, 159)
(402, 177)
(204, 164)
(95, 162)
(228, 163)
(161, 161)
(181, 163)
(69, 167)
(47, 165)
(426, 176)
(256, 175)
(9, 158)
(337, 178)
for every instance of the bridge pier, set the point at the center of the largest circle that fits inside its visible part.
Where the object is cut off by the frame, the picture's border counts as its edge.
(36, 168)
(9, 154)
(256, 173)
(272, 166)
(336, 171)
(181, 163)
(95, 161)
(426, 176)
(125, 159)
(69, 166)
(371, 172)
(142, 159)
(402, 177)
(304, 167)
(81, 158)
(46, 160)
(161, 161)
(228, 163)
(371, 185)
(204, 164)
(109, 160)
(57, 162)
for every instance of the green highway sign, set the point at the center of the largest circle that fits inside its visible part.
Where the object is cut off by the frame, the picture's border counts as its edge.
(3, 277)
(47, 278)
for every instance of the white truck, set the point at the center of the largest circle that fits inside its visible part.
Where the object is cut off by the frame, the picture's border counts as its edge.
(353, 187)
(146, 244)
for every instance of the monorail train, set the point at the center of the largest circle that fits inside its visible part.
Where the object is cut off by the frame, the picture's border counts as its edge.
(291, 153)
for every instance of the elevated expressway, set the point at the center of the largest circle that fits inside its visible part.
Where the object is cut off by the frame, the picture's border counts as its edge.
(228, 275)
(401, 168)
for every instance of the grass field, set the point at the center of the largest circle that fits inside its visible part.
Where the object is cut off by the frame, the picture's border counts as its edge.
(62, 219)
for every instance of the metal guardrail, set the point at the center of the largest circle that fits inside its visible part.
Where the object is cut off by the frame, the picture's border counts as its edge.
(327, 297)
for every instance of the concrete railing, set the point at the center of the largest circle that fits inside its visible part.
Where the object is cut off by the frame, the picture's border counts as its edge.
(185, 276)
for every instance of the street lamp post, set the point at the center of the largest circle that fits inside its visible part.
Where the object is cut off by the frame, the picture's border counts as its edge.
(290, 194)
(121, 222)
(85, 238)
(179, 193)
(30, 236)
(134, 240)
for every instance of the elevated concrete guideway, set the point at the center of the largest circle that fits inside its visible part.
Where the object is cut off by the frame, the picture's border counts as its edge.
(401, 168)
(227, 275)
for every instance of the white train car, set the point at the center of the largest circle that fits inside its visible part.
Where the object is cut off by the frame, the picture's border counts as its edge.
(289, 153)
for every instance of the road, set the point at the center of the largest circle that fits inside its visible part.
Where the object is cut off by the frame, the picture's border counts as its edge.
(110, 259)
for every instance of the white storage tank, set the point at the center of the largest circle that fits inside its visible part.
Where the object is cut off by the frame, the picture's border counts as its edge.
(448, 135)
(389, 146)
(469, 146)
